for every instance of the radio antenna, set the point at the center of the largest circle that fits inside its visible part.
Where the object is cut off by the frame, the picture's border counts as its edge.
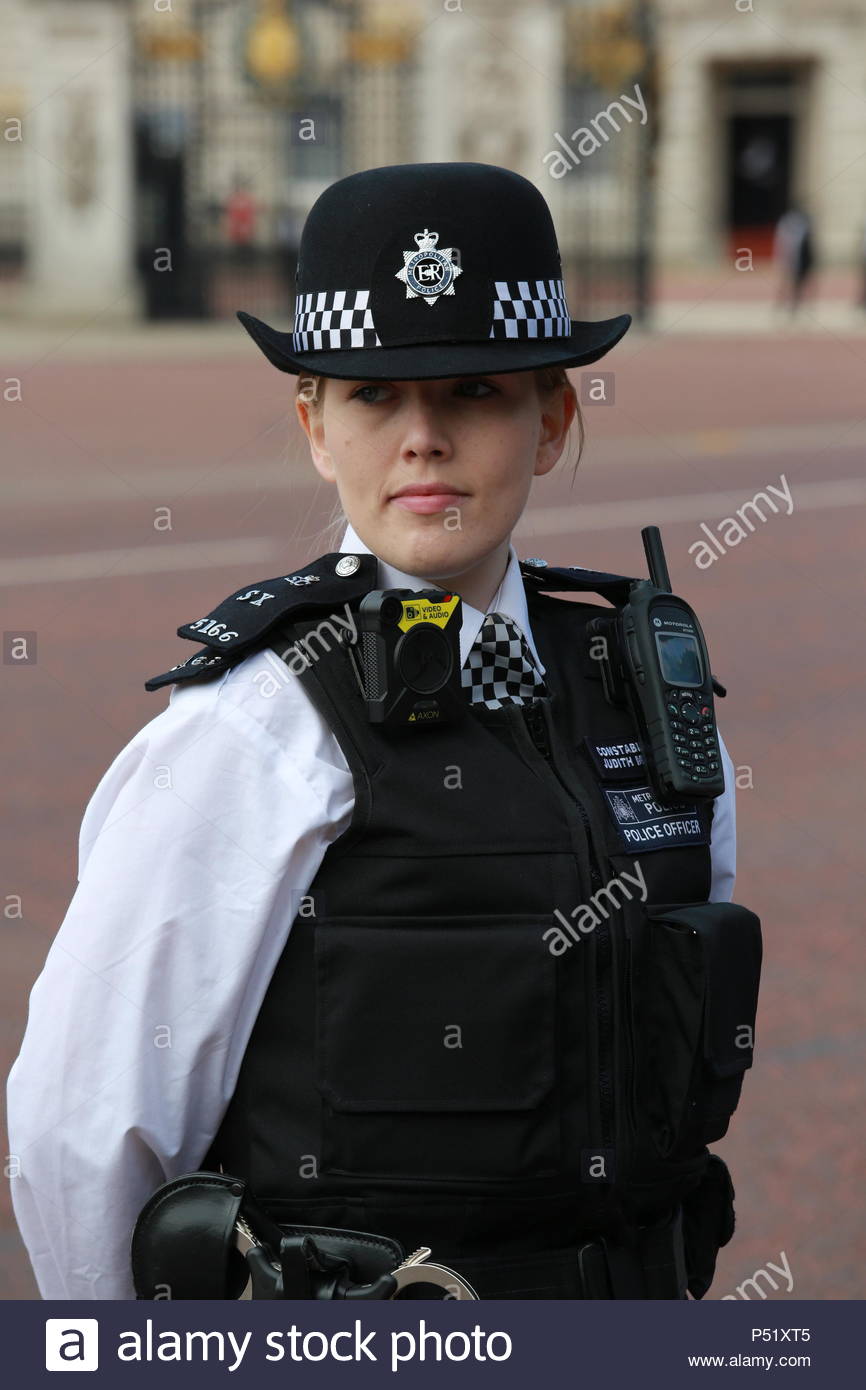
(655, 557)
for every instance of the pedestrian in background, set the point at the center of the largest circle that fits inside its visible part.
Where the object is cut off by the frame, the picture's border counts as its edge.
(794, 253)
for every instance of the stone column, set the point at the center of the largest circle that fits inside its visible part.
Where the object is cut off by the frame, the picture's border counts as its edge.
(490, 85)
(77, 133)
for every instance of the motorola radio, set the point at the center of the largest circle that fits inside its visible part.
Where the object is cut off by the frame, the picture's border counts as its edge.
(654, 660)
(407, 657)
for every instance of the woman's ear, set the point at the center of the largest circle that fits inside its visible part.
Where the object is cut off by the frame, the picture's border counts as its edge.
(557, 414)
(312, 423)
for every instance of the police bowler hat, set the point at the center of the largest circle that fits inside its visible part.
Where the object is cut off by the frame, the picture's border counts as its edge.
(417, 271)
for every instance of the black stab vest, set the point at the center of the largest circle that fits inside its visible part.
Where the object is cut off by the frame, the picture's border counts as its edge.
(439, 1057)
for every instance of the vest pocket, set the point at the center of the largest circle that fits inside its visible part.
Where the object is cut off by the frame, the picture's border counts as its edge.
(695, 986)
(435, 1047)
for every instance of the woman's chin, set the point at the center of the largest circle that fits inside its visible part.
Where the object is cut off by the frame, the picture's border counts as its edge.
(432, 554)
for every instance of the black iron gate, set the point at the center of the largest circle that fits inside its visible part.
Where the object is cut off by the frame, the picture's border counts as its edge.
(609, 130)
(246, 109)
(244, 112)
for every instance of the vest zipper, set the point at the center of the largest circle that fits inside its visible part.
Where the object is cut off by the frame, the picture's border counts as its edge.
(536, 724)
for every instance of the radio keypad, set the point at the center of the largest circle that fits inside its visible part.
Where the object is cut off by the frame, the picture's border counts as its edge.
(692, 733)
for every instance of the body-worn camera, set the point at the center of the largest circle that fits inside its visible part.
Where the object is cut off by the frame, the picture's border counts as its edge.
(407, 657)
(654, 660)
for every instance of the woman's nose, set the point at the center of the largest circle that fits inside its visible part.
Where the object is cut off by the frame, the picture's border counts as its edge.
(424, 435)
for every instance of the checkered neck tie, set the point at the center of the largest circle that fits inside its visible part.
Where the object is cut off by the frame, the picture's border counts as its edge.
(500, 669)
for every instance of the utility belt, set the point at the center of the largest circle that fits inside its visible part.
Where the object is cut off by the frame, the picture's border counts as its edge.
(204, 1236)
(650, 1265)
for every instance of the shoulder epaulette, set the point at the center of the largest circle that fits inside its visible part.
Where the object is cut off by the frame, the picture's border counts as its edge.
(233, 629)
(561, 579)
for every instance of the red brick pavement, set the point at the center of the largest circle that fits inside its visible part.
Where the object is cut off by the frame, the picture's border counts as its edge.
(784, 618)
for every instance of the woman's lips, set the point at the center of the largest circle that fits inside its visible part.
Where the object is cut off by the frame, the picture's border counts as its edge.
(426, 502)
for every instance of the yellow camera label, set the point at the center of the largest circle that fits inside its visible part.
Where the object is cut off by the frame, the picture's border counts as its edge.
(427, 611)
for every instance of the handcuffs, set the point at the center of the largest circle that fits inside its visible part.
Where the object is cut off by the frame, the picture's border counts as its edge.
(204, 1235)
(265, 1279)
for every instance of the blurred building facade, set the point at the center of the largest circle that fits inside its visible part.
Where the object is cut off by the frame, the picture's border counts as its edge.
(159, 156)
(763, 104)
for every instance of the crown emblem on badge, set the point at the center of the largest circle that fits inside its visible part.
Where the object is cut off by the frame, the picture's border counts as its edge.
(429, 271)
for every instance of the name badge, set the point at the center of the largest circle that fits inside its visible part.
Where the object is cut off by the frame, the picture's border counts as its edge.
(616, 762)
(644, 824)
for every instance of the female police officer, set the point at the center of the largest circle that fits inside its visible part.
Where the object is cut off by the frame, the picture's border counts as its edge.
(328, 956)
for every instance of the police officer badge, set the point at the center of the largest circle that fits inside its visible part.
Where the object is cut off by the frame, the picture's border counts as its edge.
(428, 271)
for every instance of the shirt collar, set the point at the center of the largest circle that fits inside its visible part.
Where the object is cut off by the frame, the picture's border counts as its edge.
(510, 597)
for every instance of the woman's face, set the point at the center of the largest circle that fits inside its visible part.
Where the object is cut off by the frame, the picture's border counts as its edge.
(482, 437)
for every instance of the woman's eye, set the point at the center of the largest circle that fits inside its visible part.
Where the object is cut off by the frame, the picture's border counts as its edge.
(485, 386)
(475, 390)
(361, 397)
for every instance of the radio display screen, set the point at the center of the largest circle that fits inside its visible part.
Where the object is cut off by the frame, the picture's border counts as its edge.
(680, 658)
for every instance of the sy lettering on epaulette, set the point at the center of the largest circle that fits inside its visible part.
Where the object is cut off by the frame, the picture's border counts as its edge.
(240, 622)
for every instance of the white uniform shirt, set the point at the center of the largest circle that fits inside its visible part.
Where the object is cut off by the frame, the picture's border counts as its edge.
(194, 851)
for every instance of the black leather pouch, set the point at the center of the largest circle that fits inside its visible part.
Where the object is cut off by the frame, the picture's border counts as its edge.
(185, 1246)
(695, 987)
(708, 1224)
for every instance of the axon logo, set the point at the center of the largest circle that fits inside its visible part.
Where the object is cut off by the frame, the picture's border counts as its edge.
(71, 1344)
